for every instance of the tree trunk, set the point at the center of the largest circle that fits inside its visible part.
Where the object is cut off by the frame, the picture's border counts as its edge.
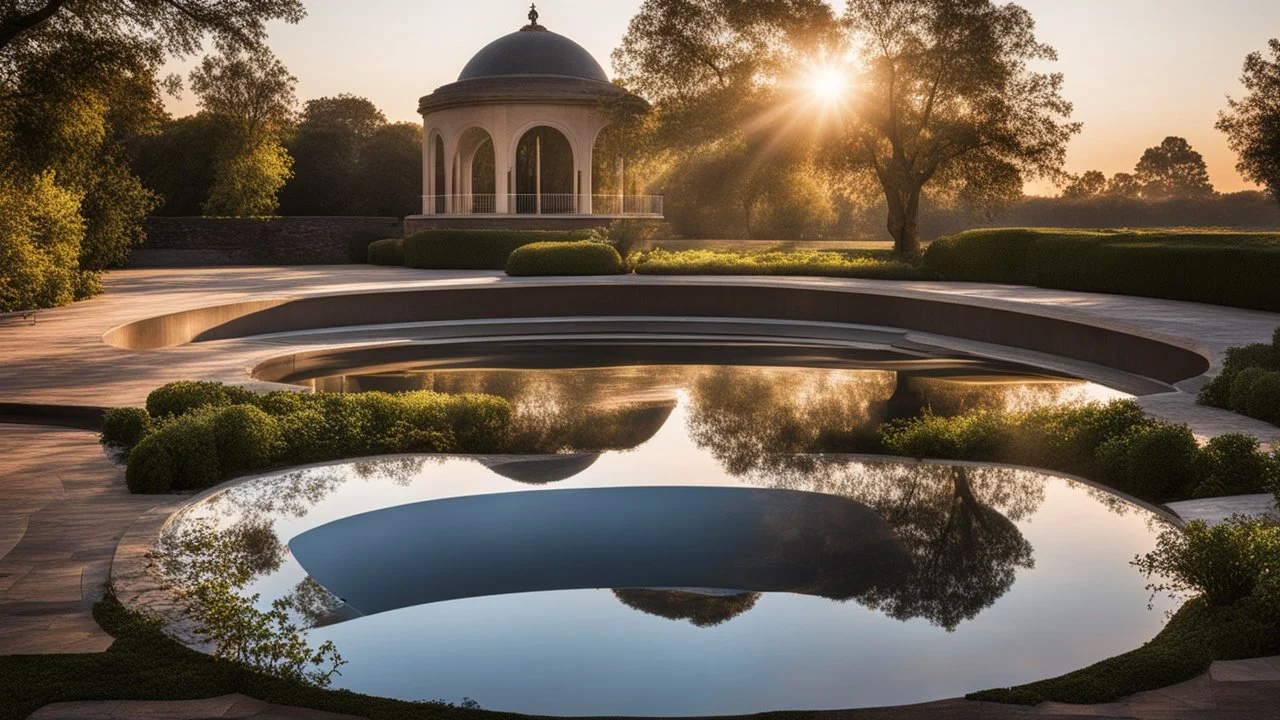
(904, 219)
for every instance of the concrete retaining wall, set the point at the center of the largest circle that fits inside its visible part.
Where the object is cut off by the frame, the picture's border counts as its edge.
(209, 242)
(1120, 350)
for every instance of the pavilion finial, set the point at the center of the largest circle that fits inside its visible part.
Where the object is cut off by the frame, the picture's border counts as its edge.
(533, 16)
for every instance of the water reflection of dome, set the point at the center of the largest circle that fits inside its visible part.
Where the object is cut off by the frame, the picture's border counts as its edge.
(543, 470)
(701, 608)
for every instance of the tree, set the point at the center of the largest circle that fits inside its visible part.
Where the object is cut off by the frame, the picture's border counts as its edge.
(1124, 185)
(1252, 123)
(948, 101)
(248, 180)
(176, 26)
(251, 88)
(388, 176)
(1173, 171)
(180, 161)
(40, 234)
(721, 77)
(1090, 184)
(326, 149)
(253, 93)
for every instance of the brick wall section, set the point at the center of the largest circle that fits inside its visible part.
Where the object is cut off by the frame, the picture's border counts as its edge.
(209, 242)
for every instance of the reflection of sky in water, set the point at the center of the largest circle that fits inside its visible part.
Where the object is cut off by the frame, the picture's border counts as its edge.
(585, 652)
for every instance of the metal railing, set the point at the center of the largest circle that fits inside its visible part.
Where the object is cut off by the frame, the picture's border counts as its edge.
(545, 204)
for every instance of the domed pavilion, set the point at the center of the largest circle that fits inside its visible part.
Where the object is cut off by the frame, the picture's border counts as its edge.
(512, 143)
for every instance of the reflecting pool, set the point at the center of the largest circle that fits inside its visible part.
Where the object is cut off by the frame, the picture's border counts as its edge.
(698, 547)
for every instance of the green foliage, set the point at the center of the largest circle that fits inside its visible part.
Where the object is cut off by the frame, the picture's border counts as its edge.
(1195, 636)
(1256, 392)
(1157, 462)
(40, 235)
(793, 262)
(628, 235)
(210, 432)
(1233, 465)
(210, 570)
(1252, 123)
(388, 178)
(248, 180)
(386, 252)
(180, 161)
(1224, 268)
(181, 454)
(1218, 391)
(1222, 563)
(582, 257)
(470, 249)
(180, 398)
(1173, 171)
(125, 426)
(326, 149)
(1113, 443)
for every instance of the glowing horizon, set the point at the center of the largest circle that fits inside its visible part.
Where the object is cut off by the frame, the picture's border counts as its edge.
(1137, 70)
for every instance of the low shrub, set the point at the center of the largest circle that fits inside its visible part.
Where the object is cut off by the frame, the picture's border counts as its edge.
(1157, 462)
(182, 454)
(125, 426)
(1224, 268)
(1222, 563)
(225, 431)
(1233, 465)
(387, 252)
(1218, 391)
(792, 262)
(182, 397)
(565, 258)
(1115, 443)
(471, 249)
(1256, 392)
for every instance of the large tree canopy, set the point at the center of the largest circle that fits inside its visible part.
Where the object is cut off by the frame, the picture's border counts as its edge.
(175, 26)
(947, 99)
(1172, 170)
(1252, 123)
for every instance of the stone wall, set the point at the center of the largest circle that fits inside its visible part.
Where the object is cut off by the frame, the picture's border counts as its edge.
(208, 242)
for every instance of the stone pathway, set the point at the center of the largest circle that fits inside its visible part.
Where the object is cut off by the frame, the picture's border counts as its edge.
(63, 507)
(1216, 510)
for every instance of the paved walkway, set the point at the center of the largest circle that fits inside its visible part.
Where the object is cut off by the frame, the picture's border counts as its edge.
(63, 506)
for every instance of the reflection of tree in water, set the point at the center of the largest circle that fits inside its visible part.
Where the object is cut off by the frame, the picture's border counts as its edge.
(572, 410)
(951, 396)
(249, 546)
(700, 609)
(756, 419)
(957, 525)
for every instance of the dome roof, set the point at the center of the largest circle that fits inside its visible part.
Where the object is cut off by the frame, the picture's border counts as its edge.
(533, 51)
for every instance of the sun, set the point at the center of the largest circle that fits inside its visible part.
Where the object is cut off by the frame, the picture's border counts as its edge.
(828, 84)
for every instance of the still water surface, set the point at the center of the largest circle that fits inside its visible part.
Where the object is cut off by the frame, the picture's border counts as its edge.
(693, 551)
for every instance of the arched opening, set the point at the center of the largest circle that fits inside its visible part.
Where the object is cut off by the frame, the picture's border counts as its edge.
(439, 184)
(544, 173)
(475, 186)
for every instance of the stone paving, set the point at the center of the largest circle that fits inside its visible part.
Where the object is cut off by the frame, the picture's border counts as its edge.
(63, 506)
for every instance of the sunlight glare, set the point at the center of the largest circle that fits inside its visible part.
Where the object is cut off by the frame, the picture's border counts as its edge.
(828, 84)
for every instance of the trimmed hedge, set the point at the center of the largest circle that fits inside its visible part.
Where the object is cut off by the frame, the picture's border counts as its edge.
(212, 432)
(125, 426)
(851, 264)
(471, 249)
(1222, 268)
(358, 249)
(1115, 444)
(583, 257)
(386, 252)
(1249, 382)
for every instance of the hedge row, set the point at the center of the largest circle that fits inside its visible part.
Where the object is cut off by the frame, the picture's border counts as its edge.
(1249, 382)
(792, 262)
(1116, 444)
(1222, 268)
(471, 249)
(565, 258)
(387, 252)
(194, 435)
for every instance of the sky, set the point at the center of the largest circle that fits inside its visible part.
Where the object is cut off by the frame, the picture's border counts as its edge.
(1136, 70)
